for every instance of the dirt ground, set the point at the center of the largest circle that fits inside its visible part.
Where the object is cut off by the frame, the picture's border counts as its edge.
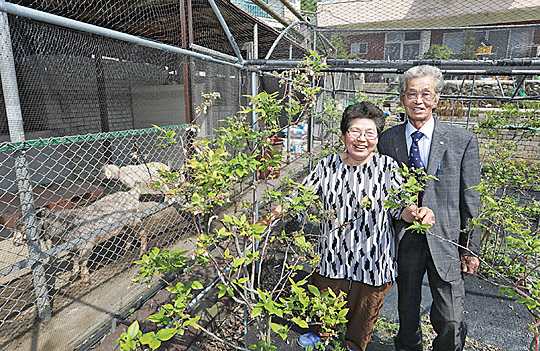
(87, 314)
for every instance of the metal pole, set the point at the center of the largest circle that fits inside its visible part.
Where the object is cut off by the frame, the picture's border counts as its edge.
(16, 133)
(290, 117)
(264, 6)
(500, 86)
(293, 10)
(281, 35)
(518, 87)
(225, 27)
(470, 102)
(254, 116)
(310, 122)
(254, 53)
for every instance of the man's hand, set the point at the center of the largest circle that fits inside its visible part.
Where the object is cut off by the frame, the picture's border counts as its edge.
(469, 264)
(421, 215)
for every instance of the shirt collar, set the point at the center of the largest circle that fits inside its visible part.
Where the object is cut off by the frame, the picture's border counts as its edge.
(427, 129)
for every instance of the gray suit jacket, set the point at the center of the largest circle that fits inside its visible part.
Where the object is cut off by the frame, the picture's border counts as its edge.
(454, 160)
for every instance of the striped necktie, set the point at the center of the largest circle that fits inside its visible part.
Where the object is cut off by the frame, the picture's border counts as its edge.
(415, 161)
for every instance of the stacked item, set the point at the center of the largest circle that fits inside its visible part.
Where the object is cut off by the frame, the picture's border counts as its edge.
(298, 139)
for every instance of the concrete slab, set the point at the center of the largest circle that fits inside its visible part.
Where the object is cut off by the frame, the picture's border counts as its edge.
(491, 319)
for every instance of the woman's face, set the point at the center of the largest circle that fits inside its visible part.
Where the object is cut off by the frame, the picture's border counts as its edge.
(360, 140)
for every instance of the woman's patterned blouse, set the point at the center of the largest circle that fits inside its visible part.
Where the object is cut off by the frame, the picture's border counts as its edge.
(358, 243)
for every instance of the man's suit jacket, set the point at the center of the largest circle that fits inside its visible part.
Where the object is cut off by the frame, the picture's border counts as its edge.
(454, 160)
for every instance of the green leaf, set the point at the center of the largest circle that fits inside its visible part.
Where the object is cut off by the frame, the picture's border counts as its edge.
(239, 261)
(196, 285)
(313, 289)
(147, 338)
(133, 330)
(256, 312)
(243, 280)
(300, 322)
(166, 334)
(222, 290)
(154, 344)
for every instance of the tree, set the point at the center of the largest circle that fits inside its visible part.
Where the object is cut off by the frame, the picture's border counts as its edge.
(468, 49)
(438, 52)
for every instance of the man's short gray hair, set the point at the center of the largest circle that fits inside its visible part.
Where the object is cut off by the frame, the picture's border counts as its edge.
(422, 71)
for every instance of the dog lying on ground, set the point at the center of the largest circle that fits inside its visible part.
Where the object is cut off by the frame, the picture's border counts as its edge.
(146, 173)
(67, 225)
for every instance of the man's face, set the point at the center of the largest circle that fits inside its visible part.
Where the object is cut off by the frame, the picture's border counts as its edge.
(419, 99)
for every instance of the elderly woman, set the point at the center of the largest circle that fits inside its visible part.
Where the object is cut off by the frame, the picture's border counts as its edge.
(358, 247)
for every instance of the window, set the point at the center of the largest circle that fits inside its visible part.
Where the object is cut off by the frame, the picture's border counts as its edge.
(402, 46)
(516, 42)
(359, 48)
(411, 51)
(412, 36)
(520, 42)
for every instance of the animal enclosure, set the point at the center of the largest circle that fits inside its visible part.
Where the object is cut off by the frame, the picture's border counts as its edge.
(84, 84)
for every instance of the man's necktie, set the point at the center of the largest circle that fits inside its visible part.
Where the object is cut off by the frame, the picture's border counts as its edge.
(414, 158)
(414, 155)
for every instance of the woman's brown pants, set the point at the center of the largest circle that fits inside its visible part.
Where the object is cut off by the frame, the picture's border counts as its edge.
(364, 302)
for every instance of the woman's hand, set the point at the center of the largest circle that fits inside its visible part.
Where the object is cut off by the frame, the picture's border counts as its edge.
(422, 215)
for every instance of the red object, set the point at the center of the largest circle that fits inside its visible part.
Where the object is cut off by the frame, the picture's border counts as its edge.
(56, 199)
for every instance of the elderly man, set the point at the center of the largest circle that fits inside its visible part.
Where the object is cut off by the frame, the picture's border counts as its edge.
(451, 154)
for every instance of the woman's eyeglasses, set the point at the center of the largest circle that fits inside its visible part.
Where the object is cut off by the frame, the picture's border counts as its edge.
(368, 134)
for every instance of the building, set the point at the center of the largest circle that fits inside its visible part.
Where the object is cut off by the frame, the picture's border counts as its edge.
(515, 26)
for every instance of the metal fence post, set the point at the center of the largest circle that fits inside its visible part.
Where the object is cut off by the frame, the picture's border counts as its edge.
(16, 132)
(310, 120)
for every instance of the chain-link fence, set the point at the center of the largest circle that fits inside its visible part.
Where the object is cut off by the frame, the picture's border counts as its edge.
(75, 212)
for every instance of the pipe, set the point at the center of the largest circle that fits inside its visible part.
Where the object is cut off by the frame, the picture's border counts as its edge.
(492, 72)
(293, 10)
(500, 86)
(214, 53)
(289, 85)
(518, 87)
(419, 29)
(280, 36)
(310, 121)
(225, 27)
(271, 12)
(16, 132)
(451, 97)
(518, 62)
(470, 102)
(10, 87)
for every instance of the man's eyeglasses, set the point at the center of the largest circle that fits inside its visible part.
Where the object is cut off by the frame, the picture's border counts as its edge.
(368, 134)
(426, 96)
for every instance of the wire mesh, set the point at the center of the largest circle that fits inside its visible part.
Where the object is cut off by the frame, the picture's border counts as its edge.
(88, 104)
(88, 101)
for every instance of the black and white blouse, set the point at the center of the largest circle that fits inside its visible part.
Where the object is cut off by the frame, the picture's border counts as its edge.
(358, 243)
